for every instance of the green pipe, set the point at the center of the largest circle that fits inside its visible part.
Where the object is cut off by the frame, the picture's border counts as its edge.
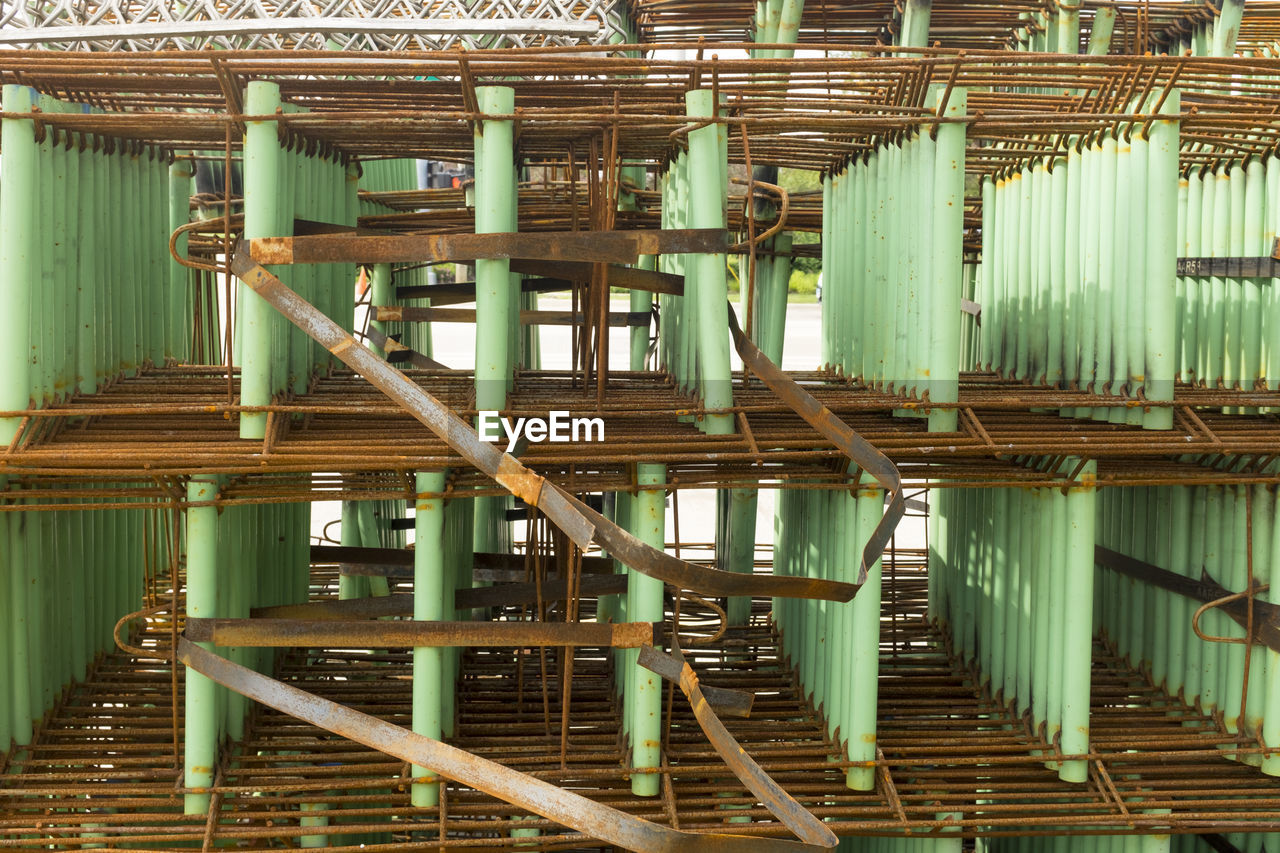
(263, 214)
(350, 586)
(1061, 597)
(181, 173)
(1136, 322)
(739, 545)
(915, 23)
(864, 666)
(1077, 640)
(1189, 195)
(495, 207)
(18, 238)
(948, 260)
(788, 27)
(641, 301)
(1104, 22)
(1265, 508)
(370, 537)
(644, 604)
(200, 731)
(1226, 28)
(707, 211)
(1206, 325)
(428, 605)
(1251, 306)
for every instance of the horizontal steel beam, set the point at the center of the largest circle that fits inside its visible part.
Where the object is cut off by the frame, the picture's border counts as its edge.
(304, 633)
(406, 314)
(609, 247)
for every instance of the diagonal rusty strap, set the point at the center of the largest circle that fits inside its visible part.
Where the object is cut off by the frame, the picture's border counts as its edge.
(861, 452)
(581, 524)
(575, 811)
(794, 816)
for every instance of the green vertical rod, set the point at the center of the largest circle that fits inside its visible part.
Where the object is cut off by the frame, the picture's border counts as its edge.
(495, 203)
(428, 605)
(865, 647)
(263, 208)
(644, 604)
(1104, 22)
(18, 240)
(1226, 29)
(1162, 228)
(707, 211)
(350, 586)
(200, 733)
(915, 23)
(180, 176)
(948, 261)
(1077, 640)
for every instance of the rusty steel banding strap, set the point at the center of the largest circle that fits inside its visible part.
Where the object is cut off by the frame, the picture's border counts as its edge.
(596, 820)
(305, 633)
(573, 517)
(735, 703)
(794, 816)
(391, 347)
(613, 247)
(861, 452)
(1266, 616)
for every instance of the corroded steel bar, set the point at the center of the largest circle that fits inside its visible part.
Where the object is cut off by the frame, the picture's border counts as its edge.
(614, 247)
(1266, 616)
(596, 820)
(283, 633)
(579, 522)
(408, 314)
(860, 452)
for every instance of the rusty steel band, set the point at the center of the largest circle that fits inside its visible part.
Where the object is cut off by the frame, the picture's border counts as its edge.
(617, 247)
(724, 700)
(580, 523)
(1266, 616)
(591, 818)
(323, 633)
(397, 351)
(794, 816)
(861, 452)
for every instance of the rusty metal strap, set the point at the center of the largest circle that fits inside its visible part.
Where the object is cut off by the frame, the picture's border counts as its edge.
(307, 633)
(397, 351)
(596, 820)
(734, 703)
(581, 524)
(861, 453)
(1206, 590)
(794, 816)
(614, 247)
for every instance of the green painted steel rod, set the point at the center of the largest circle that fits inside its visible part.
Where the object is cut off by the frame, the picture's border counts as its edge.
(707, 199)
(428, 604)
(263, 211)
(865, 649)
(18, 239)
(495, 204)
(1078, 623)
(948, 259)
(200, 731)
(644, 601)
